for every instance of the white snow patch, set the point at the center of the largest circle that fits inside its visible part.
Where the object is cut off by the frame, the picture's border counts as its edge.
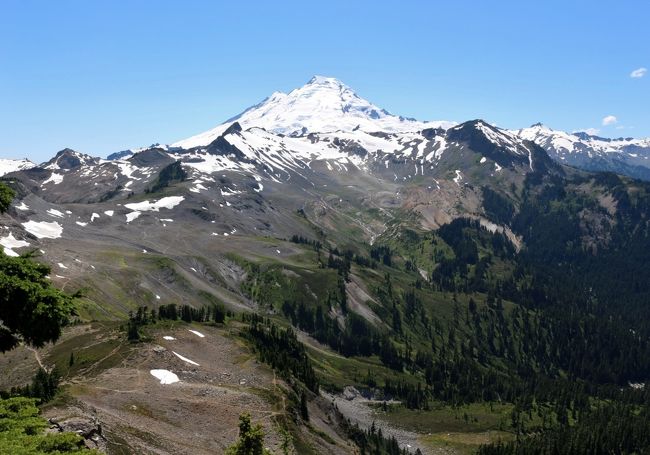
(22, 206)
(132, 216)
(93, 216)
(458, 177)
(10, 242)
(165, 376)
(109, 212)
(44, 229)
(168, 338)
(198, 334)
(54, 178)
(9, 165)
(55, 213)
(62, 266)
(483, 160)
(81, 223)
(185, 359)
(166, 202)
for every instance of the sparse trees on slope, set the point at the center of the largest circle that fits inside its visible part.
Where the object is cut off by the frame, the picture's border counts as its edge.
(251, 439)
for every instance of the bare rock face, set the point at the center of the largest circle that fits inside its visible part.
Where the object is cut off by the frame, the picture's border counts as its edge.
(350, 393)
(87, 427)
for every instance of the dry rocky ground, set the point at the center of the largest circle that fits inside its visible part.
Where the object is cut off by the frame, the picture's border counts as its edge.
(124, 409)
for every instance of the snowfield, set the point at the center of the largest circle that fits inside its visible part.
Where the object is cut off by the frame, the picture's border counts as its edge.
(322, 105)
(9, 242)
(185, 359)
(165, 203)
(165, 376)
(8, 165)
(44, 229)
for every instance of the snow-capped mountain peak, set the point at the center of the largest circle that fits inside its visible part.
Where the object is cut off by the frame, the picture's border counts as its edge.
(9, 165)
(68, 159)
(323, 105)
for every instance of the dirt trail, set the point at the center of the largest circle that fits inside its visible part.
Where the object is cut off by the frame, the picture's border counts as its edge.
(37, 356)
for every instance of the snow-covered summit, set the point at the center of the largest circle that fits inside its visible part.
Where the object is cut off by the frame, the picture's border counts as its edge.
(68, 159)
(323, 105)
(561, 142)
(9, 165)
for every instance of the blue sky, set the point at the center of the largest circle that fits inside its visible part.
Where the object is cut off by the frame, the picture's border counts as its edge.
(102, 76)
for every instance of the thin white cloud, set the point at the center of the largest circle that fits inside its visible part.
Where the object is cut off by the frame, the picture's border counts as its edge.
(589, 131)
(638, 73)
(609, 120)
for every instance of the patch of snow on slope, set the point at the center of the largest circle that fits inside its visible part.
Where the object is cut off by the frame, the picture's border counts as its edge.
(458, 177)
(168, 202)
(55, 213)
(43, 229)
(54, 178)
(22, 206)
(132, 216)
(185, 359)
(500, 138)
(165, 376)
(9, 242)
(198, 334)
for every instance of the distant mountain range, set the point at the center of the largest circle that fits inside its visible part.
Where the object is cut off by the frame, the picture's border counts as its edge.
(327, 110)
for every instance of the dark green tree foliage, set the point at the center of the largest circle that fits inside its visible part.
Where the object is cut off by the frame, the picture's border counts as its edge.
(281, 349)
(383, 254)
(31, 309)
(315, 244)
(6, 196)
(304, 410)
(251, 439)
(171, 173)
(21, 431)
(372, 441)
(613, 428)
(497, 207)
(44, 386)
(219, 314)
(142, 317)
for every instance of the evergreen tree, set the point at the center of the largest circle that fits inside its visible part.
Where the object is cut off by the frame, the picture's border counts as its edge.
(251, 439)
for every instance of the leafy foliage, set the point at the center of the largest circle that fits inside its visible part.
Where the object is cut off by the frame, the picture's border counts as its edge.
(281, 349)
(43, 387)
(31, 309)
(6, 196)
(21, 431)
(251, 439)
